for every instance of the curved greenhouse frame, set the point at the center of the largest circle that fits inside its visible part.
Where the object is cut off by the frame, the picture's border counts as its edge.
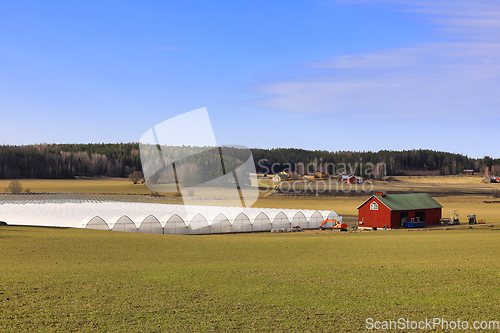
(150, 225)
(175, 225)
(124, 223)
(220, 225)
(300, 220)
(97, 223)
(281, 221)
(241, 223)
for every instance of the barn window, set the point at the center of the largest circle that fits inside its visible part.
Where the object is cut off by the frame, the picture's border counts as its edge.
(374, 206)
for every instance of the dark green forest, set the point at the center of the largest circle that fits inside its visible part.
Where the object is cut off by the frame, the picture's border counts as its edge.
(59, 161)
(69, 160)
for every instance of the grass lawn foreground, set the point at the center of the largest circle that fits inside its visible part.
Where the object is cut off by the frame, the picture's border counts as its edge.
(85, 280)
(56, 279)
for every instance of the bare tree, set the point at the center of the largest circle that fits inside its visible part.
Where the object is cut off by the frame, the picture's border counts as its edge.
(14, 187)
(136, 176)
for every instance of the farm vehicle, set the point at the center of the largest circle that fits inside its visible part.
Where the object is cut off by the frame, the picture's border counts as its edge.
(452, 220)
(333, 224)
(472, 219)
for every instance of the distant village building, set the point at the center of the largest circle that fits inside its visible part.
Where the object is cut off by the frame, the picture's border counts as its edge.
(350, 179)
(468, 172)
(280, 176)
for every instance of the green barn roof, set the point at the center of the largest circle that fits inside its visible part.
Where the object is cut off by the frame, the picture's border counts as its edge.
(411, 201)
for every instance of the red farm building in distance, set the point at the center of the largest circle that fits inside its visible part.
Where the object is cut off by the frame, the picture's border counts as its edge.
(395, 210)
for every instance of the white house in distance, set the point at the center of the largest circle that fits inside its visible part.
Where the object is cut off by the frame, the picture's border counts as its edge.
(351, 179)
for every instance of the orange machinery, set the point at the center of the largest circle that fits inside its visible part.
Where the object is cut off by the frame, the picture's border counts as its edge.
(333, 224)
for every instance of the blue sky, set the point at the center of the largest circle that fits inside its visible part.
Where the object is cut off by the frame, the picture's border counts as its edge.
(329, 75)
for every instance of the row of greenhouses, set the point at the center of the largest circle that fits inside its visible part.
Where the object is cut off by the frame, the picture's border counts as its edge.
(160, 218)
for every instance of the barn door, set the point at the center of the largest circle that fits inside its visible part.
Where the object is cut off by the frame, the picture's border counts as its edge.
(403, 218)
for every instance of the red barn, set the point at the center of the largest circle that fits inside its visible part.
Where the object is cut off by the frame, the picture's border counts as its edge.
(468, 172)
(350, 179)
(392, 211)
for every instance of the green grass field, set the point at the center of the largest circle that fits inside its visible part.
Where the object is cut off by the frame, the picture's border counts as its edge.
(85, 280)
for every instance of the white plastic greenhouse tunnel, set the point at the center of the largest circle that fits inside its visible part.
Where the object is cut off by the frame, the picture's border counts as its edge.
(220, 225)
(124, 223)
(175, 225)
(300, 220)
(280, 221)
(241, 223)
(97, 223)
(261, 221)
(150, 225)
(159, 218)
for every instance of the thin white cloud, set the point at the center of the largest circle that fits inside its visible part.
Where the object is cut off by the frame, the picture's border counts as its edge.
(369, 61)
(477, 20)
(458, 79)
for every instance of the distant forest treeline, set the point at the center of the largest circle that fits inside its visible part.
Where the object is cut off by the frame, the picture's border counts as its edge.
(396, 162)
(120, 159)
(69, 160)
